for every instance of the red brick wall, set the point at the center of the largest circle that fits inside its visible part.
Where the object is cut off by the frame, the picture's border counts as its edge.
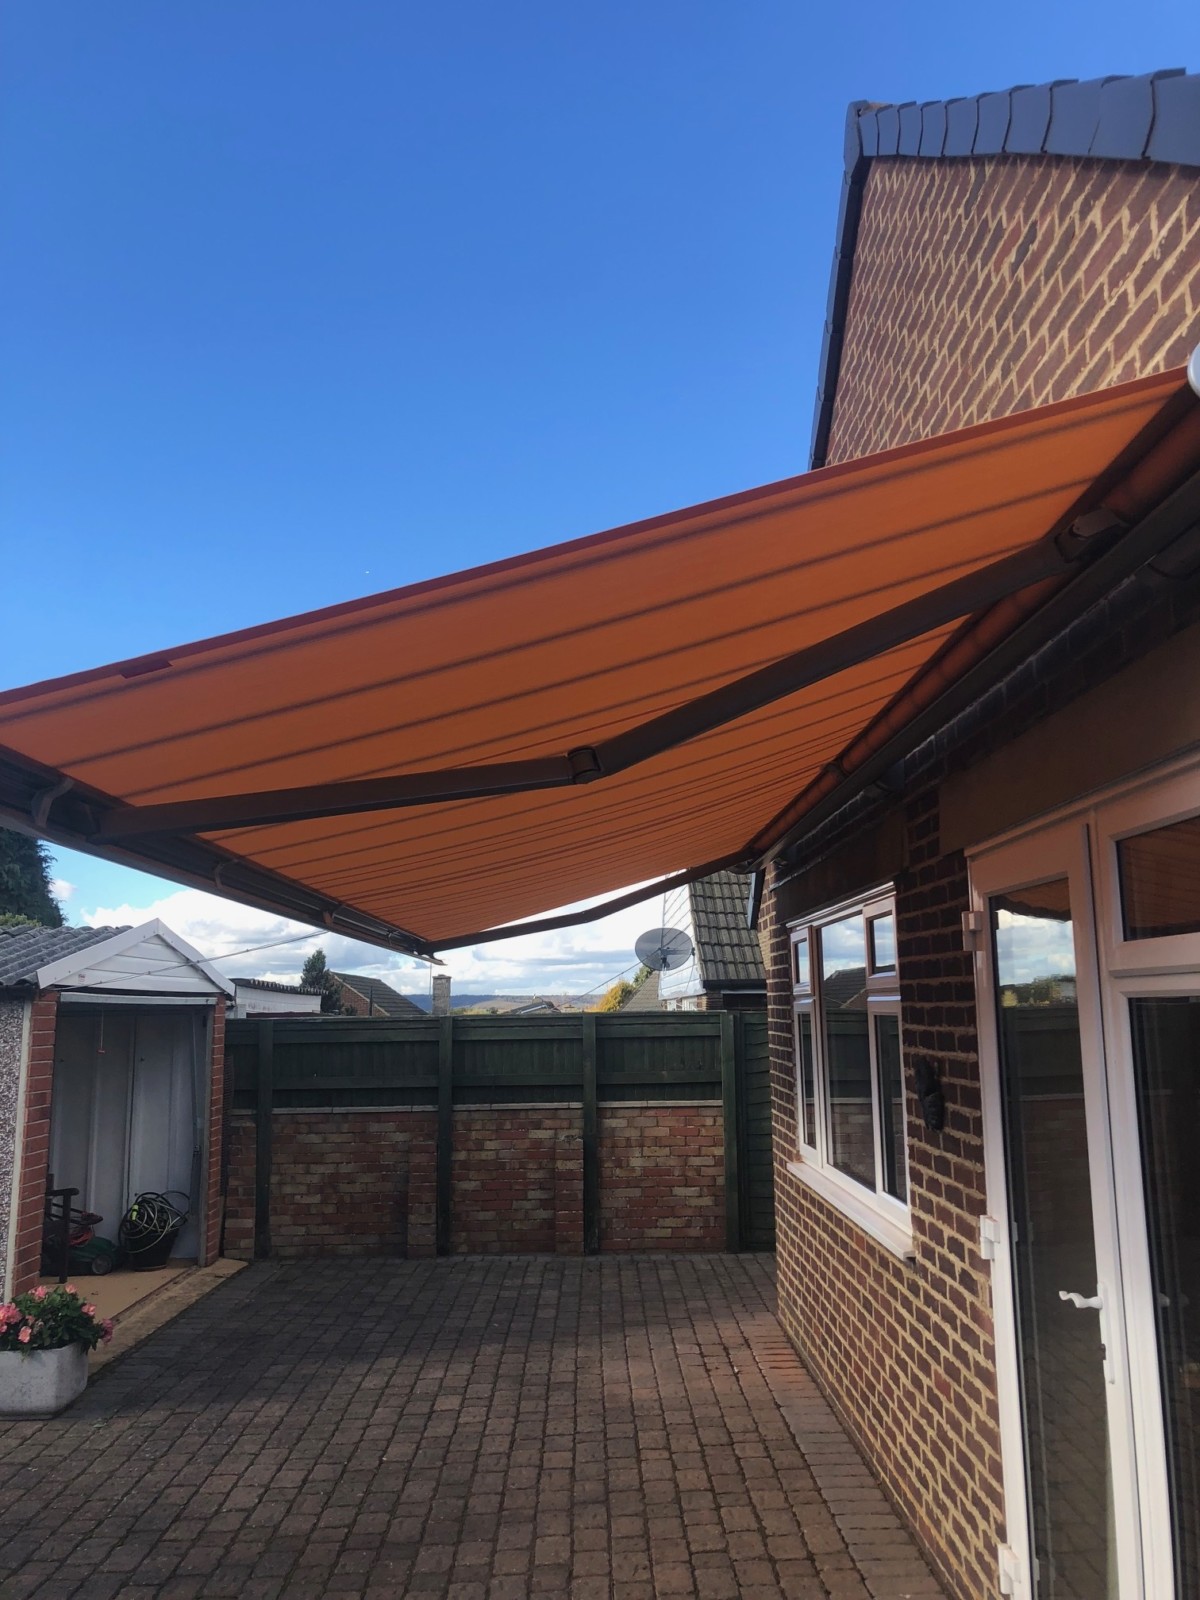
(342, 1183)
(517, 1180)
(34, 1144)
(662, 1177)
(984, 287)
(980, 288)
(506, 1186)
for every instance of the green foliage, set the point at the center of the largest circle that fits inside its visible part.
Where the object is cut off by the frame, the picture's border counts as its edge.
(25, 881)
(315, 974)
(49, 1319)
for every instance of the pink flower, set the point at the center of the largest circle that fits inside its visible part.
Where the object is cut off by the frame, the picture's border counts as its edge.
(106, 1329)
(71, 1289)
(89, 1311)
(40, 1292)
(8, 1313)
(23, 1336)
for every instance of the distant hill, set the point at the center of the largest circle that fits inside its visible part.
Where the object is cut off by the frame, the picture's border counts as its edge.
(466, 1001)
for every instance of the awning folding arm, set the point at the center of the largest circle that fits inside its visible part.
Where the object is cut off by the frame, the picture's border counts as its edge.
(1049, 557)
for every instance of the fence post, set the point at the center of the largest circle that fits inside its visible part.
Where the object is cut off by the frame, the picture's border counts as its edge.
(445, 1133)
(729, 1109)
(591, 1140)
(264, 1111)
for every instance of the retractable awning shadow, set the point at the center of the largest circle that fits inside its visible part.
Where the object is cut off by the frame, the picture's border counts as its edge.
(425, 764)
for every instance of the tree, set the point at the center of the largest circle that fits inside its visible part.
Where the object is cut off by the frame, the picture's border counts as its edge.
(315, 974)
(616, 997)
(25, 893)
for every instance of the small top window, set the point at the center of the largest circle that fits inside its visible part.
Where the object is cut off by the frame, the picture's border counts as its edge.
(1160, 881)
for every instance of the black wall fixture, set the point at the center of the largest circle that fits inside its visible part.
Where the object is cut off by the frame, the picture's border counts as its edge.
(929, 1093)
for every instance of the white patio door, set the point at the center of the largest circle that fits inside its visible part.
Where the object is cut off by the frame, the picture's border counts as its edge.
(1067, 1434)
(1088, 969)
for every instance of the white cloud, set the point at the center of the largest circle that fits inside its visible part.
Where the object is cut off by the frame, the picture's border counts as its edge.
(571, 961)
(61, 889)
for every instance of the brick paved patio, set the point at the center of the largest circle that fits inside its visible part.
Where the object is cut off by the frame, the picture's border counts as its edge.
(475, 1428)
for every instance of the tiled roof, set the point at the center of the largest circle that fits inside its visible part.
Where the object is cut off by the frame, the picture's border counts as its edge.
(24, 951)
(1155, 117)
(645, 997)
(727, 949)
(383, 1000)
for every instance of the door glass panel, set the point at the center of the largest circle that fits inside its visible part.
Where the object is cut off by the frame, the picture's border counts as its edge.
(1160, 881)
(1060, 1354)
(1166, 1065)
(808, 1087)
(891, 1104)
(848, 1049)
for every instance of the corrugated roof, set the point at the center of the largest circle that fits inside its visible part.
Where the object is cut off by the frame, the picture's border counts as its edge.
(1155, 117)
(24, 951)
(727, 950)
(421, 765)
(273, 987)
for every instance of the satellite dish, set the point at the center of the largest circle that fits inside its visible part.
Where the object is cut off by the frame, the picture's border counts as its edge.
(661, 949)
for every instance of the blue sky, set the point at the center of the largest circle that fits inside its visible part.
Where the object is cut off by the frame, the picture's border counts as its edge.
(302, 300)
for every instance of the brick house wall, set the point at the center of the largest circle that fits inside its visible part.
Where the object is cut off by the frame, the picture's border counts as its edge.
(980, 287)
(210, 1245)
(984, 287)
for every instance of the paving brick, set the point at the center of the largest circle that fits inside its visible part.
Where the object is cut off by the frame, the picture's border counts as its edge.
(635, 1411)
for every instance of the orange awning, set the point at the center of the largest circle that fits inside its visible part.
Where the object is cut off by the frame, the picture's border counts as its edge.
(443, 758)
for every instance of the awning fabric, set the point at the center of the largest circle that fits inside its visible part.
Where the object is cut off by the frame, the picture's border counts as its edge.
(556, 652)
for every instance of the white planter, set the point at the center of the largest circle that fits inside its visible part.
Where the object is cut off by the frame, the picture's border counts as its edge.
(40, 1383)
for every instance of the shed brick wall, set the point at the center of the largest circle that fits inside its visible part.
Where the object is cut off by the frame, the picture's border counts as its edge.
(662, 1177)
(35, 1144)
(980, 288)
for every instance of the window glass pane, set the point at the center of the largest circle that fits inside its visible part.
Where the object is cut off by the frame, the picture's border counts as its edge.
(891, 1104)
(800, 963)
(847, 1049)
(1160, 881)
(1166, 1064)
(808, 1082)
(883, 943)
(1053, 1250)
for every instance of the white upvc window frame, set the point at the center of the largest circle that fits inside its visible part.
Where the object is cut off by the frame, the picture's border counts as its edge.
(882, 1215)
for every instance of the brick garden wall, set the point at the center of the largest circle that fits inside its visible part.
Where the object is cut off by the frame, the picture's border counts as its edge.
(980, 288)
(517, 1180)
(342, 1183)
(662, 1177)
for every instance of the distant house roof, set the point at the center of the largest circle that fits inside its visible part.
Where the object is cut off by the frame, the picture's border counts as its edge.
(727, 949)
(382, 1000)
(645, 997)
(1155, 117)
(24, 951)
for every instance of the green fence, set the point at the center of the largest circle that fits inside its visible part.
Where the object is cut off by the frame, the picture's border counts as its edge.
(588, 1058)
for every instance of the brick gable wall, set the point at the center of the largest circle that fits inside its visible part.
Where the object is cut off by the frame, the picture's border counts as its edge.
(984, 287)
(980, 288)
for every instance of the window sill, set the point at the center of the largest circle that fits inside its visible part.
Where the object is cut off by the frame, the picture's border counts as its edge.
(893, 1236)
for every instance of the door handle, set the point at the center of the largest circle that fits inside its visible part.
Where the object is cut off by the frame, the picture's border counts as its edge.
(1095, 1302)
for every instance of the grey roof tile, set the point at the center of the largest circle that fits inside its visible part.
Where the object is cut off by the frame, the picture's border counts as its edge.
(646, 996)
(24, 951)
(727, 950)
